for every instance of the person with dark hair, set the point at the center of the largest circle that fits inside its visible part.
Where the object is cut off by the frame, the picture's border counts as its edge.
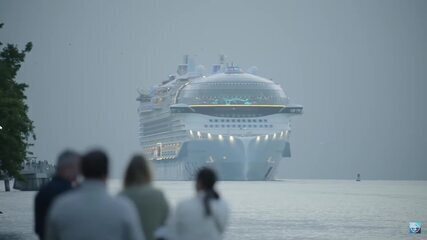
(204, 216)
(67, 170)
(89, 212)
(150, 202)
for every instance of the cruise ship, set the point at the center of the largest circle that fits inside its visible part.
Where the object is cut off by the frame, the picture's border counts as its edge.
(234, 121)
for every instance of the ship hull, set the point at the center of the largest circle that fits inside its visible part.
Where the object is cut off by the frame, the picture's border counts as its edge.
(245, 158)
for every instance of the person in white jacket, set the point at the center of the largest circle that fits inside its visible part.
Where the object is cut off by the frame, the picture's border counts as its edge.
(204, 216)
(89, 212)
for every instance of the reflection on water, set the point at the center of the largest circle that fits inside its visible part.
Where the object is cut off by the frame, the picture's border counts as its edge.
(290, 209)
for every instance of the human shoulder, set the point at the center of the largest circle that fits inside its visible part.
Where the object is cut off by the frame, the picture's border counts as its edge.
(222, 202)
(125, 209)
(52, 187)
(142, 190)
(155, 191)
(188, 203)
(123, 202)
(222, 205)
(69, 197)
(63, 202)
(125, 192)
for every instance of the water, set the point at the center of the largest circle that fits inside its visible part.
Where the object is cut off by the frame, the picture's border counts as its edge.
(288, 209)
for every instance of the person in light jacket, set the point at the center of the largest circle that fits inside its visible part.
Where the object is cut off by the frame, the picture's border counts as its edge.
(89, 212)
(150, 202)
(205, 216)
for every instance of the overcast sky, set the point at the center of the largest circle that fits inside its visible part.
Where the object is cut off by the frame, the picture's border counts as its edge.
(359, 68)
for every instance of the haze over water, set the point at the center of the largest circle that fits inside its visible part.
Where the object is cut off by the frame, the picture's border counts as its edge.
(357, 67)
(287, 209)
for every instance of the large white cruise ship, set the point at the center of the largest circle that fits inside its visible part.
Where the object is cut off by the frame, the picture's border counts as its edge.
(233, 121)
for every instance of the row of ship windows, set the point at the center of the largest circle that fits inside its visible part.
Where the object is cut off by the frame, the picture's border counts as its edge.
(238, 120)
(235, 83)
(238, 115)
(238, 125)
(249, 97)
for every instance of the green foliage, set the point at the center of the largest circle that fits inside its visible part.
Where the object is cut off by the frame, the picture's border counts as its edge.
(17, 128)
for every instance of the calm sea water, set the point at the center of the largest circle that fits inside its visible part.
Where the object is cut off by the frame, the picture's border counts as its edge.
(288, 209)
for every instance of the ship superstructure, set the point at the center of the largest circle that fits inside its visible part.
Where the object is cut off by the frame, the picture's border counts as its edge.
(233, 121)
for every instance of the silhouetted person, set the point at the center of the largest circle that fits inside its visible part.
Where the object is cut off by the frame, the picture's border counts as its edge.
(150, 202)
(67, 170)
(89, 212)
(204, 216)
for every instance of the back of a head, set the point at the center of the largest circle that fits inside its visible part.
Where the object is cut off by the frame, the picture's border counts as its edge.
(94, 165)
(206, 178)
(67, 165)
(66, 158)
(138, 172)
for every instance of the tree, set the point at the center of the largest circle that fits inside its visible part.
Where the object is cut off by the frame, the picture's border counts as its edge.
(16, 127)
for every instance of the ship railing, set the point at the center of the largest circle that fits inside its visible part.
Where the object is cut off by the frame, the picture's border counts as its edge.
(170, 133)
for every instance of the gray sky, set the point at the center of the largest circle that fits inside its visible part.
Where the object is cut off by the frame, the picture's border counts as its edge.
(358, 67)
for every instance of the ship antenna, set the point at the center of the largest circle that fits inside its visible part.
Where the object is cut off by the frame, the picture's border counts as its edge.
(221, 59)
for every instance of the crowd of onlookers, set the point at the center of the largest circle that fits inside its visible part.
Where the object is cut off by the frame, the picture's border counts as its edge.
(68, 208)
